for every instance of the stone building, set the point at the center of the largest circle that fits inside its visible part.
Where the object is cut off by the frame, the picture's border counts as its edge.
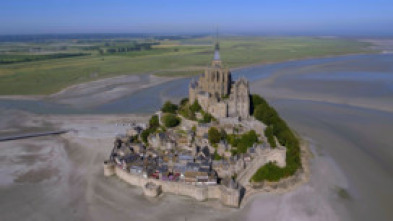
(218, 94)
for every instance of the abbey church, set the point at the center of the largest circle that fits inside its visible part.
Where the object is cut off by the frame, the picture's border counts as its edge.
(218, 94)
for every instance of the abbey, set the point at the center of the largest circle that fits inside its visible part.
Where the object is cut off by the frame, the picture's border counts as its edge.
(218, 94)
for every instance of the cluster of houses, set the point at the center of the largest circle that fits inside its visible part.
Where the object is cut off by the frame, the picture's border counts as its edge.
(180, 155)
(161, 160)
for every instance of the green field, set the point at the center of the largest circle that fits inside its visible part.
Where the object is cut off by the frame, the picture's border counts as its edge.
(18, 58)
(168, 58)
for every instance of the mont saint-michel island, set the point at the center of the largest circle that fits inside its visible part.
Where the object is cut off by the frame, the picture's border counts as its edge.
(220, 143)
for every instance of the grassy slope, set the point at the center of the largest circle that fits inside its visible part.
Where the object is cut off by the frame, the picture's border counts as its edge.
(49, 76)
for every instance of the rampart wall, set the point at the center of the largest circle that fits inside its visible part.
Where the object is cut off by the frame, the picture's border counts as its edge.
(277, 155)
(227, 196)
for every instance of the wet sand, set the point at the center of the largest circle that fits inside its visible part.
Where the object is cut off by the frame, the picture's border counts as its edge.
(95, 93)
(349, 116)
(360, 142)
(60, 177)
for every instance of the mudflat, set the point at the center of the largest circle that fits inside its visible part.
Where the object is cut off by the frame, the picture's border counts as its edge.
(61, 177)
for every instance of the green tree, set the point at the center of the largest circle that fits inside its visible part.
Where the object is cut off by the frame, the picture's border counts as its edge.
(255, 101)
(224, 135)
(214, 135)
(154, 121)
(168, 107)
(246, 141)
(145, 134)
(170, 120)
(216, 156)
(195, 107)
(278, 128)
(186, 112)
(183, 102)
(242, 142)
(206, 118)
(270, 136)
(232, 139)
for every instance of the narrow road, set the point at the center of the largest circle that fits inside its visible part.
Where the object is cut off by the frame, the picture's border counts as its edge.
(30, 135)
(244, 177)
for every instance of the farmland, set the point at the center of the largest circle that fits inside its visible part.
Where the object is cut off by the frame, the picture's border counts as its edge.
(42, 73)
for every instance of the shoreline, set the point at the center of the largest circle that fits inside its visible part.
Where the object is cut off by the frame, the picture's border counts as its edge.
(164, 77)
(301, 59)
(150, 81)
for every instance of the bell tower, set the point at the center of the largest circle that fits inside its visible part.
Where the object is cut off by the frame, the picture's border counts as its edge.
(216, 62)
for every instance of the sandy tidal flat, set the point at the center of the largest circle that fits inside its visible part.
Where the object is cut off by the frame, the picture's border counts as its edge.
(343, 112)
(61, 177)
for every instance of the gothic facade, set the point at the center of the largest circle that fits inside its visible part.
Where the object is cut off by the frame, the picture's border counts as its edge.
(218, 94)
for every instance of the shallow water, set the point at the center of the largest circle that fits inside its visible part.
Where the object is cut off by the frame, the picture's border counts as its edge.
(151, 99)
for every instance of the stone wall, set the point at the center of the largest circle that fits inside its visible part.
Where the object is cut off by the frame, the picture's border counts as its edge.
(218, 109)
(227, 196)
(277, 155)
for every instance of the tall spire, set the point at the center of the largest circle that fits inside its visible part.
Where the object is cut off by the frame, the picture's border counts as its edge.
(217, 48)
(217, 52)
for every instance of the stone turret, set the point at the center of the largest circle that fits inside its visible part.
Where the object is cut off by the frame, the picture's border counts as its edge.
(230, 193)
(193, 90)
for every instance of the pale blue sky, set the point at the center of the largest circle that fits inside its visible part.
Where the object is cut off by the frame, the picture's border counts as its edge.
(274, 17)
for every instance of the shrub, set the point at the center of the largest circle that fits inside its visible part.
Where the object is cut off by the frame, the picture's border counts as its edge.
(242, 142)
(255, 101)
(170, 120)
(232, 139)
(154, 122)
(168, 107)
(214, 135)
(270, 172)
(246, 141)
(216, 156)
(224, 134)
(270, 136)
(206, 118)
(183, 102)
(145, 134)
(186, 112)
(195, 107)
